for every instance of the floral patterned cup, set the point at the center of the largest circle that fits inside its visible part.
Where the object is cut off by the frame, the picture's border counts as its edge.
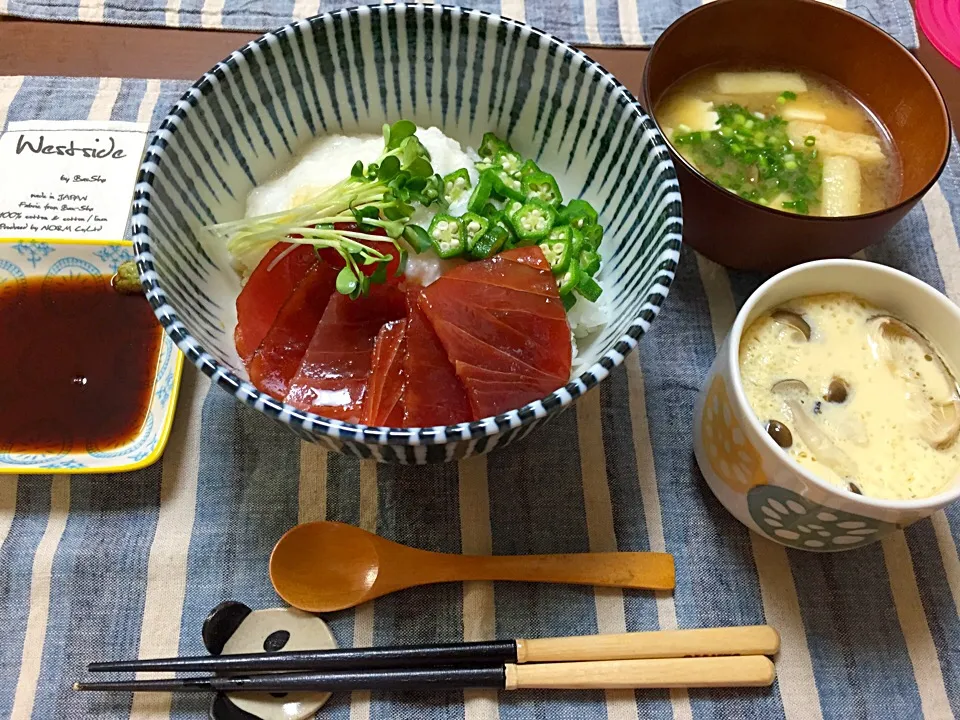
(759, 483)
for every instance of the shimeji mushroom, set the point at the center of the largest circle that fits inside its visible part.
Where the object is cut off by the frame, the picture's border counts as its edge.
(819, 443)
(780, 433)
(942, 426)
(791, 387)
(822, 447)
(775, 429)
(837, 391)
(793, 320)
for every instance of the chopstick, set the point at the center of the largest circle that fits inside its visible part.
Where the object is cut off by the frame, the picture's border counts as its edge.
(732, 671)
(409, 656)
(662, 644)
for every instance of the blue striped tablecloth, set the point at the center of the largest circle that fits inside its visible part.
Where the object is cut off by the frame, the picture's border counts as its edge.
(585, 22)
(121, 565)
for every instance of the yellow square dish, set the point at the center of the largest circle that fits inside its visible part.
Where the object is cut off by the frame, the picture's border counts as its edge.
(24, 259)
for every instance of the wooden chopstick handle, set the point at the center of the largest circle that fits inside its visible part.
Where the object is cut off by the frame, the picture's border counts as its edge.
(705, 642)
(744, 671)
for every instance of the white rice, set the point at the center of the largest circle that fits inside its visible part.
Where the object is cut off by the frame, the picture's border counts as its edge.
(585, 319)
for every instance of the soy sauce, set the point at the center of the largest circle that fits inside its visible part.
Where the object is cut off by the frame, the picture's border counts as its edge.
(77, 363)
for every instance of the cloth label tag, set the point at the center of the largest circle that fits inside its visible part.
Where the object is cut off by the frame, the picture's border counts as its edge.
(68, 179)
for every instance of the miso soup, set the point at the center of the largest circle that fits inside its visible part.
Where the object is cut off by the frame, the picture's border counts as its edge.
(793, 141)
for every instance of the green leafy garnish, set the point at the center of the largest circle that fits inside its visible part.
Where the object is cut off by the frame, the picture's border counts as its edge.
(394, 135)
(379, 276)
(402, 267)
(417, 237)
(361, 215)
(388, 168)
(346, 281)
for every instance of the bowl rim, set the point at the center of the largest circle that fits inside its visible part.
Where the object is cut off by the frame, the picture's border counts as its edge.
(902, 204)
(926, 504)
(358, 434)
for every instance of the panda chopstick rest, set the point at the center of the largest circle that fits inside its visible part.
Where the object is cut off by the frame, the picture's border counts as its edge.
(234, 629)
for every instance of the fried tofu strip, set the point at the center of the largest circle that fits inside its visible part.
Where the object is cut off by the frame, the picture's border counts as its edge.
(863, 148)
(841, 186)
(756, 83)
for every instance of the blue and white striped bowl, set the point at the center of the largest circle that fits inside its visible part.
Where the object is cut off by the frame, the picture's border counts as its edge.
(464, 71)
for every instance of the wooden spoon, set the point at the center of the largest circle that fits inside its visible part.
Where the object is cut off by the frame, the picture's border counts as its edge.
(327, 566)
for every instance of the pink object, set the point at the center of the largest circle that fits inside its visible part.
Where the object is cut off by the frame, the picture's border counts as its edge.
(940, 22)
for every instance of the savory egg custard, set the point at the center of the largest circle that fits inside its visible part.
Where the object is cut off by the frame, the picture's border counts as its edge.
(855, 395)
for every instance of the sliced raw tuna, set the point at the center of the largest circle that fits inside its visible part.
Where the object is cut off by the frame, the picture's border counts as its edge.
(282, 349)
(267, 289)
(480, 359)
(383, 404)
(433, 395)
(510, 275)
(480, 323)
(532, 256)
(482, 355)
(489, 387)
(502, 316)
(332, 378)
(540, 326)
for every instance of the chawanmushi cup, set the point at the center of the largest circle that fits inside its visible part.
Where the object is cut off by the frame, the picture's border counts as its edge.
(759, 483)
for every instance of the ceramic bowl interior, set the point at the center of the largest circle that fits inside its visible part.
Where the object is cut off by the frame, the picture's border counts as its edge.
(20, 260)
(466, 72)
(905, 297)
(805, 35)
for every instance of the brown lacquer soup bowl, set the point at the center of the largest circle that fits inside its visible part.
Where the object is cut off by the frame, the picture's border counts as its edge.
(800, 35)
